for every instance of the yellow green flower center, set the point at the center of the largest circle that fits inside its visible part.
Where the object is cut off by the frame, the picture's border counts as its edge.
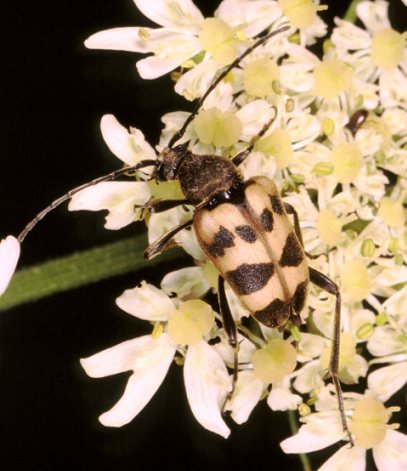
(355, 280)
(259, 75)
(278, 145)
(221, 129)
(365, 331)
(387, 48)
(300, 13)
(166, 190)
(220, 40)
(190, 322)
(392, 212)
(329, 227)
(368, 248)
(274, 361)
(347, 161)
(369, 422)
(332, 77)
(328, 126)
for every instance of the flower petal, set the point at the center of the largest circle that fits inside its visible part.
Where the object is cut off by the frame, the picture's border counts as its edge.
(397, 302)
(117, 359)
(322, 430)
(128, 147)
(118, 39)
(384, 382)
(385, 341)
(120, 198)
(151, 361)
(177, 13)
(281, 398)
(391, 454)
(197, 80)
(346, 458)
(247, 394)
(250, 18)
(9, 255)
(374, 15)
(153, 66)
(146, 302)
(186, 283)
(349, 36)
(207, 384)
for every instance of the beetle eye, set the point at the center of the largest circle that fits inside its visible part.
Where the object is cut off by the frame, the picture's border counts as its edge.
(181, 148)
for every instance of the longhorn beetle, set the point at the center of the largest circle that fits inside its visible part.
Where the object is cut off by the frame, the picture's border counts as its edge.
(242, 226)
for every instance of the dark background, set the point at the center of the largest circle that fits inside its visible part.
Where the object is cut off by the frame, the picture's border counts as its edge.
(53, 93)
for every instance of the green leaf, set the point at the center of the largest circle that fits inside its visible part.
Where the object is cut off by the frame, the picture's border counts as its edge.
(80, 269)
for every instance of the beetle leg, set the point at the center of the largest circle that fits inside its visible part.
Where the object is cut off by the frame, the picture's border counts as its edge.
(160, 244)
(329, 286)
(291, 210)
(159, 206)
(231, 332)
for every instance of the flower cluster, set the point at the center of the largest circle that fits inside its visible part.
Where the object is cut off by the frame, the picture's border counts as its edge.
(337, 150)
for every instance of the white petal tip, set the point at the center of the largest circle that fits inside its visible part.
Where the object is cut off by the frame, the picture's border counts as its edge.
(107, 420)
(9, 255)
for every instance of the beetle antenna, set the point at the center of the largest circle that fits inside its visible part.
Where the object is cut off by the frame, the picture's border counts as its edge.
(177, 136)
(69, 194)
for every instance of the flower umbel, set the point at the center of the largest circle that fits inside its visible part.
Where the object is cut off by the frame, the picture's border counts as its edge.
(345, 178)
(330, 132)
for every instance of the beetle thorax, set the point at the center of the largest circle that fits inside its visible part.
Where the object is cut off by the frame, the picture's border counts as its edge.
(202, 177)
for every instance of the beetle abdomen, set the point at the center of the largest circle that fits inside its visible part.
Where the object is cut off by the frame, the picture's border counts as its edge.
(253, 245)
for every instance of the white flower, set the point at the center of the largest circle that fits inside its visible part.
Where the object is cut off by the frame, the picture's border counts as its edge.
(184, 33)
(378, 53)
(121, 199)
(370, 430)
(172, 44)
(130, 147)
(148, 358)
(177, 325)
(9, 255)
(304, 16)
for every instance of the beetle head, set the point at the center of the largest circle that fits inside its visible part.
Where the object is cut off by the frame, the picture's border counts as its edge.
(170, 162)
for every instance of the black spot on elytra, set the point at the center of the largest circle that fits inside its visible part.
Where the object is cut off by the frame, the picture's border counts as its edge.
(267, 221)
(223, 240)
(249, 278)
(276, 314)
(292, 254)
(277, 204)
(247, 233)
(300, 296)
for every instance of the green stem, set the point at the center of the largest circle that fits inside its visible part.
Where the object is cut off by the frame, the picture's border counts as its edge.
(306, 465)
(80, 269)
(350, 14)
